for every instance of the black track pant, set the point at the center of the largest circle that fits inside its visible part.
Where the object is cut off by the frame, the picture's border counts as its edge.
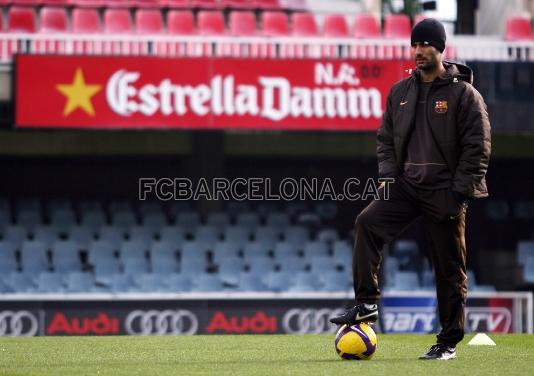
(383, 220)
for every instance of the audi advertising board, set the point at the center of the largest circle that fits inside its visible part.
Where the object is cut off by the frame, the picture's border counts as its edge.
(216, 93)
(401, 314)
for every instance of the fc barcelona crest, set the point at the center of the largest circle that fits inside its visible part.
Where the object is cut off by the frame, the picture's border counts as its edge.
(441, 107)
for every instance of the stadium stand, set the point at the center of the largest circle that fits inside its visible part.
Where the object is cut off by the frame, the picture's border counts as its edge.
(518, 29)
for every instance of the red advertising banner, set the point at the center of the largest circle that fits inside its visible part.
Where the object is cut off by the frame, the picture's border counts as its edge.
(202, 93)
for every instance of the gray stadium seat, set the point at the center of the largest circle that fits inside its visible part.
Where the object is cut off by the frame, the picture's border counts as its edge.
(101, 249)
(155, 220)
(34, 257)
(279, 281)
(279, 220)
(111, 234)
(207, 234)
(163, 263)
(336, 281)
(207, 282)
(248, 220)
(16, 234)
(133, 249)
(143, 234)
(297, 235)
(149, 282)
(250, 282)
(123, 218)
(315, 248)
(260, 264)
(406, 281)
(21, 282)
(321, 264)
(229, 268)
(291, 263)
(328, 235)
(29, 218)
(122, 283)
(220, 220)
(82, 235)
(342, 252)
(267, 235)
(306, 281)
(252, 249)
(236, 234)
(173, 234)
(63, 219)
(525, 248)
(284, 249)
(80, 282)
(48, 282)
(105, 270)
(66, 256)
(94, 219)
(224, 249)
(188, 220)
(135, 266)
(178, 283)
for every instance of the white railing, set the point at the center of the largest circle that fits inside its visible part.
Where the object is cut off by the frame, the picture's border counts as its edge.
(459, 48)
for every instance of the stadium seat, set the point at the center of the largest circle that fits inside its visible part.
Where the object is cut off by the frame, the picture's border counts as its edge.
(148, 21)
(252, 249)
(315, 248)
(80, 282)
(48, 282)
(21, 282)
(366, 26)
(178, 283)
(228, 269)
(525, 248)
(16, 234)
(123, 218)
(250, 282)
(8, 261)
(304, 25)
(284, 249)
(188, 220)
(306, 281)
(207, 282)
(34, 257)
(242, 23)
(279, 220)
(210, 23)
(45, 234)
(148, 282)
(518, 28)
(21, 20)
(155, 220)
(328, 235)
(335, 26)
(279, 281)
(29, 218)
(82, 235)
(105, 270)
(93, 219)
(117, 21)
(175, 4)
(134, 266)
(111, 234)
(180, 22)
(63, 219)
(122, 283)
(248, 219)
(218, 219)
(172, 234)
(236, 234)
(102, 250)
(225, 249)
(274, 24)
(342, 252)
(336, 281)
(321, 264)
(163, 263)
(133, 249)
(290, 262)
(53, 20)
(406, 281)
(297, 235)
(66, 256)
(397, 26)
(207, 234)
(260, 264)
(141, 234)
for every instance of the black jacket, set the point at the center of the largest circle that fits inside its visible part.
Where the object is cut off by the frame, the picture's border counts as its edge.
(459, 122)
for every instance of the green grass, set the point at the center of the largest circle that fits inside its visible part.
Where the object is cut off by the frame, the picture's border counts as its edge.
(254, 355)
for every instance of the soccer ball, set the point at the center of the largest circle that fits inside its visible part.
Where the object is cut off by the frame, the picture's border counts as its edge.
(356, 342)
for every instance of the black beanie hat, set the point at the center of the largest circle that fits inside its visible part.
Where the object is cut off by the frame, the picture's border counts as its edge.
(429, 31)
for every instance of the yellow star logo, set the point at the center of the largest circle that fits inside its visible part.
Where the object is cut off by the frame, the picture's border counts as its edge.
(78, 94)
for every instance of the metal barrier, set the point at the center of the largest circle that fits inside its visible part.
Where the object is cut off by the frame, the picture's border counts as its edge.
(458, 48)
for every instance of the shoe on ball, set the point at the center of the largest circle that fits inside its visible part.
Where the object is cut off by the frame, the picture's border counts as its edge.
(359, 313)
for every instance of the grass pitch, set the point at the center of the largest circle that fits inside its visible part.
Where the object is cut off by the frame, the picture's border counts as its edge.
(308, 355)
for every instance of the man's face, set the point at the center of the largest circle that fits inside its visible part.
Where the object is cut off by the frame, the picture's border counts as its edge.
(426, 56)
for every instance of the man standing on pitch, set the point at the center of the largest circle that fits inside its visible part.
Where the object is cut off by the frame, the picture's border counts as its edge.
(435, 141)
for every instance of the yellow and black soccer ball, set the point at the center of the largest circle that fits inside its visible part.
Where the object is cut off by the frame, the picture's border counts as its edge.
(356, 342)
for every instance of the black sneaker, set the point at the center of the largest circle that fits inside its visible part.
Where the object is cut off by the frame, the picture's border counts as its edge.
(358, 313)
(440, 352)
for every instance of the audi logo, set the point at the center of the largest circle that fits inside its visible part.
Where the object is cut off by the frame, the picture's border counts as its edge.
(303, 321)
(20, 323)
(167, 322)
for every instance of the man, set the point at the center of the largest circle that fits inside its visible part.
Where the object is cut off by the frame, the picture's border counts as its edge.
(435, 141)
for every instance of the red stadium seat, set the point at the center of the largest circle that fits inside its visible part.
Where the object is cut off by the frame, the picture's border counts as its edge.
(238, 4)
(242, 23)
(53, 19)
(117, 21)
(397, 26)
(266, 4)
(418, 18)
(366, 26)
(335, 26)
(85, 21)
(274, 24)
(21, 20)
(180, 22)
(148, 21)
(304, 25)
(518, 28)
(210, 23)
(295, 5)
(56, 2)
